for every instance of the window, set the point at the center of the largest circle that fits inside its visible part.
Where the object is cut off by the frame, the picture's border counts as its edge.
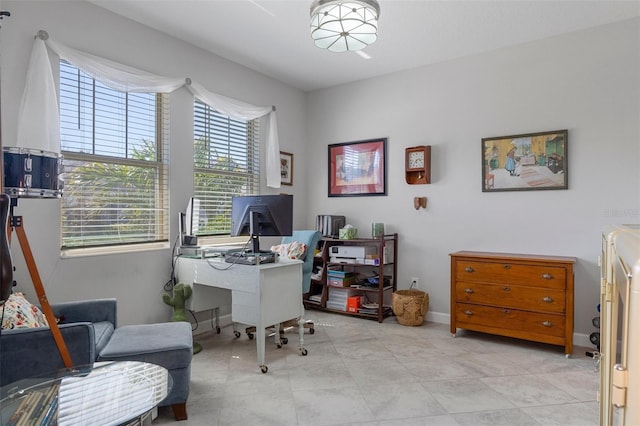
(114, 146)
(226, 163)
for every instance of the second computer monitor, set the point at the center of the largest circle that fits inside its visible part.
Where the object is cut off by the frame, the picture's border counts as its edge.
(261, 215)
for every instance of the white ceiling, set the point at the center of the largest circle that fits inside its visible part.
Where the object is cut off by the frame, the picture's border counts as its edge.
(272, 36)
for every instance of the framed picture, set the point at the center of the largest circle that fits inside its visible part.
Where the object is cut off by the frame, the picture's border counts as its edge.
(358, 168)
(286, 168)
(525, 162)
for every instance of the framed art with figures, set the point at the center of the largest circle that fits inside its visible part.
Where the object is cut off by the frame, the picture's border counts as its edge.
(525, 162)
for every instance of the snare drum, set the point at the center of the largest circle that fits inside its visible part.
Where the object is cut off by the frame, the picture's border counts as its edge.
(32, 173)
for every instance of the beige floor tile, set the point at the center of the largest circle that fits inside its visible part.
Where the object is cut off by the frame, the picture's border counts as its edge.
(362, 373)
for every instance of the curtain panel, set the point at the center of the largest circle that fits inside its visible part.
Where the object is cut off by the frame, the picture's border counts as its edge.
(39, 98)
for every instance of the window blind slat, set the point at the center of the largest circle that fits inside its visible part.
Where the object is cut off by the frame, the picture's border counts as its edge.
(226, 163)
(115, 164)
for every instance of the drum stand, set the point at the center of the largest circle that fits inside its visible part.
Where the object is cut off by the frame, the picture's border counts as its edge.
(15, 223)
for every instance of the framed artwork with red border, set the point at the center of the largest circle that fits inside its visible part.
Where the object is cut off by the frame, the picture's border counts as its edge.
(358, 168)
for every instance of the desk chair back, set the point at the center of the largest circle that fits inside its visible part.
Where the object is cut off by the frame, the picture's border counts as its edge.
(311, 239)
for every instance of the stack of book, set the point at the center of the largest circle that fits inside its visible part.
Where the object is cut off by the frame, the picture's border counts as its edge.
(339, 278)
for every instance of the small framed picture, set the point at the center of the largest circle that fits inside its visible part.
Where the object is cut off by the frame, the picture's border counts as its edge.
(525, 162)
(358, 168)
(286, 168)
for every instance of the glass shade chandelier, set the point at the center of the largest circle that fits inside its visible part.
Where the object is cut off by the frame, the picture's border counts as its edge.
(344, 25)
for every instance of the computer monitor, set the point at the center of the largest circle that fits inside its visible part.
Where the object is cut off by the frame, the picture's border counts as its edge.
(189, 223)
(261, 215)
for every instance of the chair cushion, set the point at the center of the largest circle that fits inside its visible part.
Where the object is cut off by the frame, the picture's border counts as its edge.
(103, 331)
(20, 313)
(169, 344)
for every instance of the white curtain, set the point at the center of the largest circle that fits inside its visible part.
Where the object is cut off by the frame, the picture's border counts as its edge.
(38, 117)
(39, 98)
(244, 111)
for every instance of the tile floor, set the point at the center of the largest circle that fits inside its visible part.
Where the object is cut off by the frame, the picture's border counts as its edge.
(360, 372)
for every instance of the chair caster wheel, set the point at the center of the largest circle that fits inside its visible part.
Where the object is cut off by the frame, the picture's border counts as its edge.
(264, 369)
(303, 351)
(236, 333)
(250, 336)
(312, 330)
(284, 340)
(279, 346)
(218, 330)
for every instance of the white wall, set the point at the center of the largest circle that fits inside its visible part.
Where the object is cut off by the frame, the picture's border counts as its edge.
(137, 279)
(586, 82)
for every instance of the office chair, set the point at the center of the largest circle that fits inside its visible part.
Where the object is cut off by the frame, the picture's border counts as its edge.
(310, 239)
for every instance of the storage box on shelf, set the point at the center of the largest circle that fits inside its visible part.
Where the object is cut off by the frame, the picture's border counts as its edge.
(348, 273)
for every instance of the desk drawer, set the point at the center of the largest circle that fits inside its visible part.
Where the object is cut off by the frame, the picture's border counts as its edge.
(502, 295)
(511, 273)
(468, 315)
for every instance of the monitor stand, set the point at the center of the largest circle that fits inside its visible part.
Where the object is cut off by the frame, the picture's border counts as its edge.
(255, 239)
(255, 243)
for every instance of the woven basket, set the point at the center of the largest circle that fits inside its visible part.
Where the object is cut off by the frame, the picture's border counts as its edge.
(410, 306)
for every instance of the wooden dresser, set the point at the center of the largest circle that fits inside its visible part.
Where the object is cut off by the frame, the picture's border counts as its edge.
(516, 295)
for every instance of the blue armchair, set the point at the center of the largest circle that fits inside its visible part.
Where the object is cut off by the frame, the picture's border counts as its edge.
(90, 332)
(86, 327)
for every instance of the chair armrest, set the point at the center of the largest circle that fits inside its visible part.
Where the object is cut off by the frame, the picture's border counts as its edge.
(96, 310)
(31, 352)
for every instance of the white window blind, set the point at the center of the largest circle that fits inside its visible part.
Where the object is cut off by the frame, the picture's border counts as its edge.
(115, 163)
(226, 163)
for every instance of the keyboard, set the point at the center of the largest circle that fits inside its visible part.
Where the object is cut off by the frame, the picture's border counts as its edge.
(250, 258)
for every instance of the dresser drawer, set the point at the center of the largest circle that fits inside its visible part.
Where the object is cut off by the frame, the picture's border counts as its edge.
(510, 319)
(517, 297)
(511, 273)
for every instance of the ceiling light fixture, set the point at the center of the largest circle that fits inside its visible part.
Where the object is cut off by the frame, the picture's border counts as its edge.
(344, 25)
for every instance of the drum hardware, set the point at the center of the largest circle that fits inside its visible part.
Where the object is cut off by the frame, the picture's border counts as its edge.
(16, 223)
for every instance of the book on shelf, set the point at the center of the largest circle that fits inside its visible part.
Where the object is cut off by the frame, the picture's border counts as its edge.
(339, 273)
(315, 298)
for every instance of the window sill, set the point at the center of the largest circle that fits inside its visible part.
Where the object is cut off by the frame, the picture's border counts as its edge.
(223, 241)
(99, 251)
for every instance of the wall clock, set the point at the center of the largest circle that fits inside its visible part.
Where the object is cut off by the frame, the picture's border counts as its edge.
(418, 164)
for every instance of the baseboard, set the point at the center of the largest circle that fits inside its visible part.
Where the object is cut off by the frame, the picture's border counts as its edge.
(579, 339)
(437, 317)
(210, 325)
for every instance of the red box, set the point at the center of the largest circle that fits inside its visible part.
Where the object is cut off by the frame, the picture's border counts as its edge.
(353, 303)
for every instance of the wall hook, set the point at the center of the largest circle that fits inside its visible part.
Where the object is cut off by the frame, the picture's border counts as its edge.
(420, 202)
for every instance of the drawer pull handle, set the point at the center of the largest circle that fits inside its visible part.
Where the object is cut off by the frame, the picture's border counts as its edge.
(468, 269)
(547, 276)
(506, 289)
(507, 266)
(547, 323)
(547, 299)
(468, 312)
(468, 290)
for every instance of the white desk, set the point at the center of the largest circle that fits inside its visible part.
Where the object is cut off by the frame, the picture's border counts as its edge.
(261, 296)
